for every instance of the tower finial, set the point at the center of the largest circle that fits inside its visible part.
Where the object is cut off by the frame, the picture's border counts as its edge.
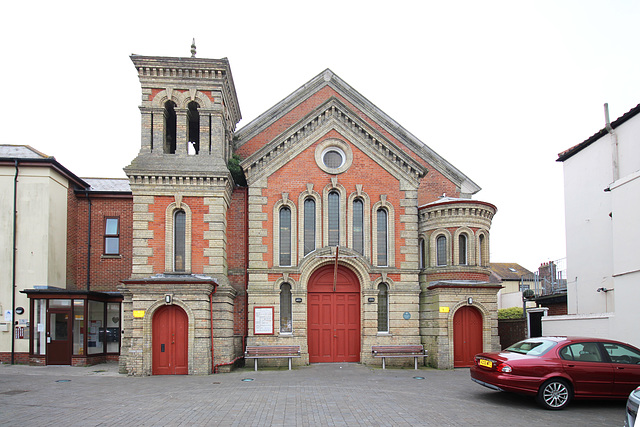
(193, 48)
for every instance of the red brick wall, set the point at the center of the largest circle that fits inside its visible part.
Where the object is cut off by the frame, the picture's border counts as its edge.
(237, 254)
(106, 271)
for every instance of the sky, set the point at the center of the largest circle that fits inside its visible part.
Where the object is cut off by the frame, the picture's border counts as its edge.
(497, 88)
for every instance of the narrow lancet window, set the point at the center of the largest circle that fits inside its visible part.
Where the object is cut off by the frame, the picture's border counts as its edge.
(193, 117)
(179, 241)
(309, 225)
(170, 127)
(334, 219)
(358, 226)
(285, 236)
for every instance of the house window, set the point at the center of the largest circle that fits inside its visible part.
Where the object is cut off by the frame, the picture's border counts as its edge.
(423, 253)
(179, 240)
(462, 249)
(383, 308)
(309, 225)
(285, 236)
(112, 236)
(481, 250)
(441, 251)
(334, 219)
(286, 325)
(358, 226)
(382, 237)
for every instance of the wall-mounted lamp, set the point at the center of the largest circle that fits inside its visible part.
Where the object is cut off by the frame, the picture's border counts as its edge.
(167, 299)
(470, 300)
(298, 299)
(371, 299)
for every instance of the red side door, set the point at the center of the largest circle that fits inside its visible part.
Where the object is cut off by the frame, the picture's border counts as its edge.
(333, 316)
(467, 336)
(169, 341)
(59, 337)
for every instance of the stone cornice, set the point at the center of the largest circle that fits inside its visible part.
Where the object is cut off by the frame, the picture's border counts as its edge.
(331, 115)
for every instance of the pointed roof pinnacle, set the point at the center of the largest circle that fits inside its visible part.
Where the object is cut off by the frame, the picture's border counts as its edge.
(193, 48)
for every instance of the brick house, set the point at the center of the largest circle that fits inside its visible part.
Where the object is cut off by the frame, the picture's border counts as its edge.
(339, 230)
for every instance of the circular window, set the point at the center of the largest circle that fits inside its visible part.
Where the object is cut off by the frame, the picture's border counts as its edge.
(333, 156)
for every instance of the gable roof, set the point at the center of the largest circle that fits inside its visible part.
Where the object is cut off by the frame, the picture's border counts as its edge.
(508, 271)
(596, 136)
(330, 79)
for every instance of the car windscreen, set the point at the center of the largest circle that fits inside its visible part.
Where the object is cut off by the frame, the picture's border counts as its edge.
(532, 347)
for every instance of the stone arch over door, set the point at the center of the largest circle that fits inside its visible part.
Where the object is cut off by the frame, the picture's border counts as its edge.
(333, 315)
(467, 335)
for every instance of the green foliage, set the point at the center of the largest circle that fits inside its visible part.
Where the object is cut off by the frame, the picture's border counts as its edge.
(236, 171)
(510, 313)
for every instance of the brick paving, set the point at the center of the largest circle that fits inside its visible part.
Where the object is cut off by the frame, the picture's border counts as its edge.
(323, 394)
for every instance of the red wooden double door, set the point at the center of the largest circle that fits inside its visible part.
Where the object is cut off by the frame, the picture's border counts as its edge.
(333, 319)
(170, 341)
(467, 336)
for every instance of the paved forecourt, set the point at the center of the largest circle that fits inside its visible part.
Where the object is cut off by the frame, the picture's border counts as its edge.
(322, 394)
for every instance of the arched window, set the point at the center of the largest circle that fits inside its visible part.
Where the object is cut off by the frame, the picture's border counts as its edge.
(285, 236)
(441, 251)
(462, 249)
(286, 323)
(309, 225)
(179, 240)
(382, 237)
(193, 117)
(358, 226)
(422, 249)
(383, 308)
(333, 220)
(170, 127)
(481, 250)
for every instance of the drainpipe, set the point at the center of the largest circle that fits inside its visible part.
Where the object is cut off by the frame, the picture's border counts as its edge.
(13, 272)
(213, 368)
(86, 192)
(614, 144)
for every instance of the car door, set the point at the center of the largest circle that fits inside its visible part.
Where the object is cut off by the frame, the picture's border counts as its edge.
(626, 367)
(589, 369)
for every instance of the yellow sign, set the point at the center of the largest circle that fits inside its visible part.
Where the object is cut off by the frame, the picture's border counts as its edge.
(138, 314)
(444, 309)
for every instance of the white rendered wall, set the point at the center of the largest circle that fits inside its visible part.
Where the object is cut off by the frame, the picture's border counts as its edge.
(41, 238)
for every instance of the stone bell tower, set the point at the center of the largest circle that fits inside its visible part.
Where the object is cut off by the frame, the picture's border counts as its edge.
(181, 189)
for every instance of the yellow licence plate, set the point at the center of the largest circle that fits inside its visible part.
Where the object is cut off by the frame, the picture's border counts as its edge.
(486, 363)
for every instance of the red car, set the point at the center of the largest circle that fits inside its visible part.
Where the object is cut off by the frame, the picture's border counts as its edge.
(557, 369)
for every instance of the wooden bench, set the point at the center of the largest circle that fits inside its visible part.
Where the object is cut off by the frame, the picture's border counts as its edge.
(385, 351)
(271, 352)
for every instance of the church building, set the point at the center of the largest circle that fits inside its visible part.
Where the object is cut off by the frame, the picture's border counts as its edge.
(341, 232)
(322, 223)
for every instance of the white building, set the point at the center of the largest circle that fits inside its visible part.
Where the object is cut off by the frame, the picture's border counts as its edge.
(602, 201)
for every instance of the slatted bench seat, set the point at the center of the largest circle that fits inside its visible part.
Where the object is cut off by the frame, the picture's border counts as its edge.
(271, 352)
(384, 351)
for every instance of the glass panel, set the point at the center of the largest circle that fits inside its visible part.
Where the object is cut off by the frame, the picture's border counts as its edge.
(59, 303)
(383, 308)
(334, 219)
(382, 237)
(622, 354)
(309, 225)
(358, 226)
(285, 236)
(481, 250)
(441, 249)
(95, 337)
(40, 327)
(332, 159)
(285, 308)
(422, 254)
(111, 226)
(462, 246)
(179, 237)
(113, 327)
(78, 327)
(58, 326)
(112, 245)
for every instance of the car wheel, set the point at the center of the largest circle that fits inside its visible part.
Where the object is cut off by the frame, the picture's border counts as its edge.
(554, 394)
